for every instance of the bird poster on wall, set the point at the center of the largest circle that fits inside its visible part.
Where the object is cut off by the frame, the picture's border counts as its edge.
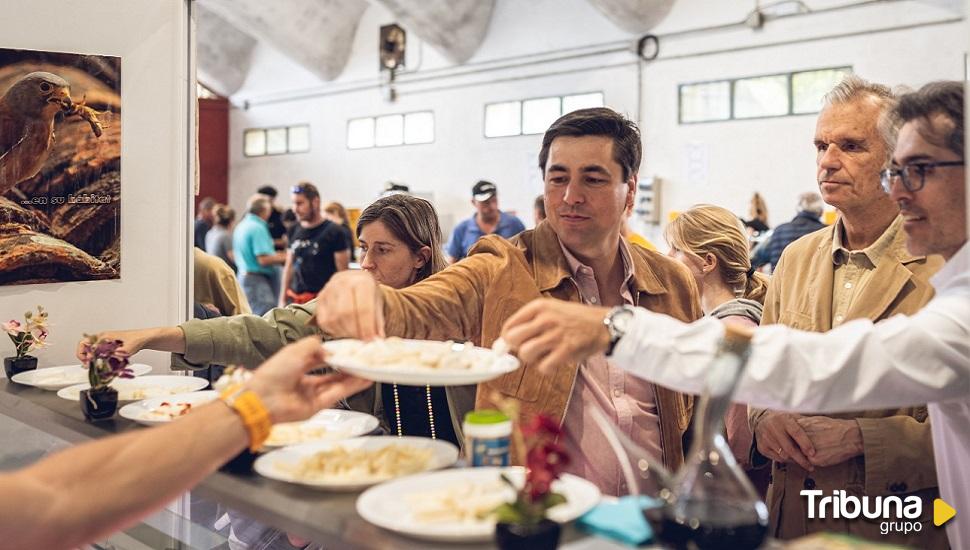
(60, 167)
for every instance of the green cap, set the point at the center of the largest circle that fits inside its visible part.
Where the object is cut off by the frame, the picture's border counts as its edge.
(486, 416)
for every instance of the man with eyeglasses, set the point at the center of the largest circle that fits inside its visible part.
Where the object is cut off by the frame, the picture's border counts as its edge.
(903, 360)
(856, 268)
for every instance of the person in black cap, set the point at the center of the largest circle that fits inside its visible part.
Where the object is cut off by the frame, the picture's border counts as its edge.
(488, 219)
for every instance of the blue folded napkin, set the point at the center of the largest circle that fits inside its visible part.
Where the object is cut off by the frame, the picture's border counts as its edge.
(621, 520)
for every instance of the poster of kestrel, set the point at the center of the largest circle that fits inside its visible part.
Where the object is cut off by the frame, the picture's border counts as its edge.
(60, 167)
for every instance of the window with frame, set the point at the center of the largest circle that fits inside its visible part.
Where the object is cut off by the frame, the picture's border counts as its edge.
(775, 95)
(281, 140)
(390, 130)
(535, 115)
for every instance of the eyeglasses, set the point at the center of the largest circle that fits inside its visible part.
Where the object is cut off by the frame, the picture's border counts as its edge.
(909, 173)
(296, 189)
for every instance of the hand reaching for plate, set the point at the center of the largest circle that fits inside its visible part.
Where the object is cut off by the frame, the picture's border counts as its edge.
(351, 306)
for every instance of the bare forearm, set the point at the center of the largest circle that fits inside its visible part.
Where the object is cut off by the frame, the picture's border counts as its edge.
(60, 489)
(170, 339)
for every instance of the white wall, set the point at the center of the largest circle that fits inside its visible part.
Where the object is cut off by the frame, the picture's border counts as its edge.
(151, 36)
(883, 42)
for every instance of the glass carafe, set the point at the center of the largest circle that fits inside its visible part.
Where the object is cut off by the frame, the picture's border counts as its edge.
(709, 503)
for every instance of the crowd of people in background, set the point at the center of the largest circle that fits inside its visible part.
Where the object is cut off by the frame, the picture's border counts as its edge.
(822, 276)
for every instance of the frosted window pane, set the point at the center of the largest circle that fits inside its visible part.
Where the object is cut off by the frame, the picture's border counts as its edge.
(538, 114)
(809, 87)
(761, 96)
(572, 103)
(360, 133)
(419, 127)
(254, 143)
(298, 139)
(503, 119)
(704, 102)
(275, 141)
(389, 130)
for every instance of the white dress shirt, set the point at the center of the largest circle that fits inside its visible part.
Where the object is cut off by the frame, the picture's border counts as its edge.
(903, 360)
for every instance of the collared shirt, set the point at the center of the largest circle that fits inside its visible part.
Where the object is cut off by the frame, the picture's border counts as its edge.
(467, 233)
(626, 400)
(251, 239)
(900, 361)
(854, 268)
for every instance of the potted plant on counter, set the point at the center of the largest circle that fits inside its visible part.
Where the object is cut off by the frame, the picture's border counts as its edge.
(31, 334)
(105, 361)
(522, 524)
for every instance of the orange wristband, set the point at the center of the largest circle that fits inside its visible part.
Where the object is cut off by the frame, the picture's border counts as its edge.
(252, 411)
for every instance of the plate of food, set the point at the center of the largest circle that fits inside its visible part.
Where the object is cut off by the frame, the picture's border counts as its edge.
(326, 425)
(142, 387)
(161, 410)
(457, 505)
(355, 464)
(55, 378)
(418, 362)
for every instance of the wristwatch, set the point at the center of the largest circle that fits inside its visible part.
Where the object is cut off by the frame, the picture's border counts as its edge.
(617, 322)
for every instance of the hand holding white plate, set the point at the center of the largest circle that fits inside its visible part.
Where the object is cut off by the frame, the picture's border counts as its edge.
(418, 362)
(326, 425)
(354, 464)
(142, 387)
(453, 505)
(162, 410)
(55, 378)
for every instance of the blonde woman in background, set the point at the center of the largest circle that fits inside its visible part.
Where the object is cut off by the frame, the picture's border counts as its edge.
(336, 213)
(711, 242)
(758, 212)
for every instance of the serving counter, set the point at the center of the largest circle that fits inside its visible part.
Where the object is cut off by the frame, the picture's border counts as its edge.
(329, 519)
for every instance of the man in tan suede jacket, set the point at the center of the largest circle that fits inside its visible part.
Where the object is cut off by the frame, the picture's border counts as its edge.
(857, 268)
(589, 161)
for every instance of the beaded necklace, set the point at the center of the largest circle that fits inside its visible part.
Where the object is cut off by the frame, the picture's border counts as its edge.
(397, 411)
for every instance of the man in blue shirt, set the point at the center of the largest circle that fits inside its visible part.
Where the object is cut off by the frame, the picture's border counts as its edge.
(488, 219)
(806, 221)
(252, 246)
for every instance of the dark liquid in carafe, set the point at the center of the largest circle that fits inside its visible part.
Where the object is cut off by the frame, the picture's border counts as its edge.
(721, 534)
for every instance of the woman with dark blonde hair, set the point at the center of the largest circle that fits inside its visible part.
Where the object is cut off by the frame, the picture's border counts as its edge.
(401, 244)
(711, 242)
(336, 213)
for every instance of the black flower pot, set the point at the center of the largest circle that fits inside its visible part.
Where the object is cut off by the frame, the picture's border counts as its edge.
(13, 365)
(99, 405)
(518, 536)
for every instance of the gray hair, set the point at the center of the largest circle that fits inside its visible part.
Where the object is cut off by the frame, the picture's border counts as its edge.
(810, 202)
(257, 204)
(855, 88)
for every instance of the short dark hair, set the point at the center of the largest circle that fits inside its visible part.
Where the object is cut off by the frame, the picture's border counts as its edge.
(267, 190)
(540, 204)
(306, 189)
(598, 121)
(943, 97)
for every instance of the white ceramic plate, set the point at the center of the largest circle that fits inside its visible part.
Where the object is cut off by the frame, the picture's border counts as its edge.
(326, 425)
(159, 410)
(55, 378)
(397, 505)
(486, 364)
(279, 464)
(142, 387)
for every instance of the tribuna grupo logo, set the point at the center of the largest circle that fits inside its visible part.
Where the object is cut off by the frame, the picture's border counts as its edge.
(899, 515)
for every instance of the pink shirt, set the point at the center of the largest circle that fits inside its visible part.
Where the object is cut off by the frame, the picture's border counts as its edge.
(627, 400)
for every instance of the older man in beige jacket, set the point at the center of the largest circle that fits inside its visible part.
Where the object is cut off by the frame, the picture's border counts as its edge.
(857, 268)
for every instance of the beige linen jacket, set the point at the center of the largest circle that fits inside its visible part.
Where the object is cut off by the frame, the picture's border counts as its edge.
(898, 455)
(473, 298)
